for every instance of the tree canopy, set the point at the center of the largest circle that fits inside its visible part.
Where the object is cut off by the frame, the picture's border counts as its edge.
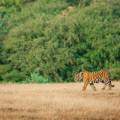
(51, 40)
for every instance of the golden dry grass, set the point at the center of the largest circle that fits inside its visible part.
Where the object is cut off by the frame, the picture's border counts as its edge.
(58, 102)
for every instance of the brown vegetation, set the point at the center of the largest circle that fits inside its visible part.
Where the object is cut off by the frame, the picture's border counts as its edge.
(58, 102)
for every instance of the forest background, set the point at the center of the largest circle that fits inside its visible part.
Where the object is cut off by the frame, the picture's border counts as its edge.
(45, 41)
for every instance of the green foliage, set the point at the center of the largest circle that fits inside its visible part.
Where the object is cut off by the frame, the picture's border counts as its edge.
(73, 2)
(115, 73)
(36, 78)
(79, 2)
(9, 3)
(4, 68)
(14, 76)
(35, 36)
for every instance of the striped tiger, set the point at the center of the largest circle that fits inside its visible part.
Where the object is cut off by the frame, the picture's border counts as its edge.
(94, 77)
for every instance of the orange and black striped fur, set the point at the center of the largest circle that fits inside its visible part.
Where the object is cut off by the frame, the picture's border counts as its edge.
(94, 77)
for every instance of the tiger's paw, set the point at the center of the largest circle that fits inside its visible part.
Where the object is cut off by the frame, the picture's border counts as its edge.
(112, 85)
(103, 88)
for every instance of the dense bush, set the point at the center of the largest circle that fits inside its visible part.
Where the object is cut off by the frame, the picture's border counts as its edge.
(39, 38)
(79, 2)
(36, 78)
(14, 76)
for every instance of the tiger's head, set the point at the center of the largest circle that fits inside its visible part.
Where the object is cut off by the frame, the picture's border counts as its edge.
(78, 77)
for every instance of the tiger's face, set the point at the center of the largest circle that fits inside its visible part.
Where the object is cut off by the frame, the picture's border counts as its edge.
(78, 77)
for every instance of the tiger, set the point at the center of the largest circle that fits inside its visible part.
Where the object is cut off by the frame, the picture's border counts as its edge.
(94, 77)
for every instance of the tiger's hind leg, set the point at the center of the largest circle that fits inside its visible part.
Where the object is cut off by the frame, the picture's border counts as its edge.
(110, 86)
(107, 83)
(92, 86)
(103, 88)
(85, 85)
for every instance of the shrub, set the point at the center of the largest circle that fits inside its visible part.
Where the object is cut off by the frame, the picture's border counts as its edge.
(40, 37)
(14, 76)
(36, 78)
(10, 2)
(4, 68)
(79, 2)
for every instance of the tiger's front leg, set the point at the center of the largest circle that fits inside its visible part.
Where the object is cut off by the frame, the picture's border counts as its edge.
(85, 85)
(92, 86)
(103, 88)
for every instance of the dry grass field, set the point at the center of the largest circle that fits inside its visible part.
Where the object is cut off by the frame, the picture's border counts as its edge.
(58, 102)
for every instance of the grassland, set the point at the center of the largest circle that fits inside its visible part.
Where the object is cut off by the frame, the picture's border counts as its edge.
(58, 102)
